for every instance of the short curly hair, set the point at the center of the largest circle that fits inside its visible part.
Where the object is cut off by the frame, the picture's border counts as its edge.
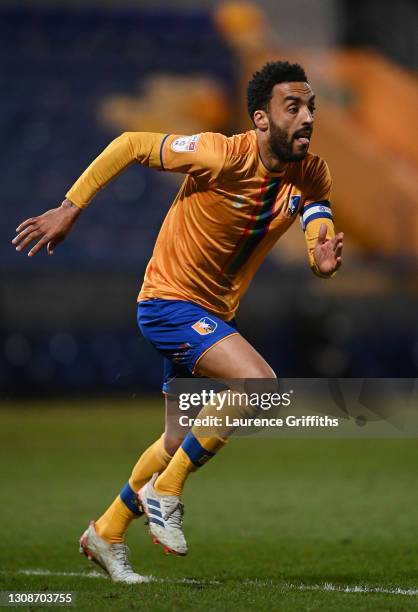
(260, 87)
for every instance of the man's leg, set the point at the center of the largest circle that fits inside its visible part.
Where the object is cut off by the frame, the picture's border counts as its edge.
(113, 524)
(233, 358)
(103, 541)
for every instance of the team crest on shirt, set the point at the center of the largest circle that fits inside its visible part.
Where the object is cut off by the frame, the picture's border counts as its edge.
(293, 205)
(185, 144)
(205, 326)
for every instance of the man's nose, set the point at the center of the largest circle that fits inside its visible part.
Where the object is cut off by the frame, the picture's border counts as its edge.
(308, 117)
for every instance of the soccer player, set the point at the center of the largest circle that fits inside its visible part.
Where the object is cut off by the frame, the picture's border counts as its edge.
(240, 194)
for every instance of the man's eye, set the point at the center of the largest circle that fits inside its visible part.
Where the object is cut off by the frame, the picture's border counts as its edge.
(293, 109)
(312, 109)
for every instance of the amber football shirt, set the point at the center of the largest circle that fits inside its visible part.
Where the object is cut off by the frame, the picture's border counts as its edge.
(227, 215)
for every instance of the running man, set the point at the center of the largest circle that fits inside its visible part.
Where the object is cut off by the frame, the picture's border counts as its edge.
(240, 194)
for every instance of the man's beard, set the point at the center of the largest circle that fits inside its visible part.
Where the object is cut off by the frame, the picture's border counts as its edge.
(281, 146)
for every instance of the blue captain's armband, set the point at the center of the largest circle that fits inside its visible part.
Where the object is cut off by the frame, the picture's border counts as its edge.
(315, 210)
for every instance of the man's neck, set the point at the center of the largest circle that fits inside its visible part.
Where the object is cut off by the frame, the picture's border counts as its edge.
(270, 161)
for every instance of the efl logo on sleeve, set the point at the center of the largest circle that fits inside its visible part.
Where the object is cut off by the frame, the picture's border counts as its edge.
(205, 326)
(185, 144)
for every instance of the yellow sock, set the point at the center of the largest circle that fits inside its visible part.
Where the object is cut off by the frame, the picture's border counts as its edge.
(154, 459)
(201, 443)
(192, 454)
(113, 524)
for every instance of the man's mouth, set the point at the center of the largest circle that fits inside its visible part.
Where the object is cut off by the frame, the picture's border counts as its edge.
(303, 137)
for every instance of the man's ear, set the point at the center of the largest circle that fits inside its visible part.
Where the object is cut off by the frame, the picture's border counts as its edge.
(261, 120)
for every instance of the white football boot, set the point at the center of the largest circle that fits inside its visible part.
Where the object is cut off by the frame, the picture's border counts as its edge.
(113, 558)
(165, 517)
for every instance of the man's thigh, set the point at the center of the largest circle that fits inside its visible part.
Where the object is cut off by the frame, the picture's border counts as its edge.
(233, 358)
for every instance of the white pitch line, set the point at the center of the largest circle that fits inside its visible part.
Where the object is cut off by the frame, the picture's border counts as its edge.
(95, 574)
(326, 586)
(365, 589)
(45, 572)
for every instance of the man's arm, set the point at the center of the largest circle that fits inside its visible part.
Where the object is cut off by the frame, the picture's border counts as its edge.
(202, 155)
(53, 226)
(324, 247)
(144, 148)
(327, 253)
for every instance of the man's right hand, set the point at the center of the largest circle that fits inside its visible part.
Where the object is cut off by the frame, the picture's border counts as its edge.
(48, 229)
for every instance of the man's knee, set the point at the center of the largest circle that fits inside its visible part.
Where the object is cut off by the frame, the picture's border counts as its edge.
(261, 370)
(260, 381)
(257, 378)
(171, 443)
(260, 378)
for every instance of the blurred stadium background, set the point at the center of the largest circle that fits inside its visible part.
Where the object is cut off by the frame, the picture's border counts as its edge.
(76, 74)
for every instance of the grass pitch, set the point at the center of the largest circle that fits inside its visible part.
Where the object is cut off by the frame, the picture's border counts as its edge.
(271, 524)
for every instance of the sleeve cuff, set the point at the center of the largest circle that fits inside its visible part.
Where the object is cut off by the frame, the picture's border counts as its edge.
(76, 201)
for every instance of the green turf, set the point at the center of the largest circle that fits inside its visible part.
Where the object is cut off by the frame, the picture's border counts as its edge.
(263, 519)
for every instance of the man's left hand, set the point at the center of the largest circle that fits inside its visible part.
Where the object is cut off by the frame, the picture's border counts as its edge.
(328, 253)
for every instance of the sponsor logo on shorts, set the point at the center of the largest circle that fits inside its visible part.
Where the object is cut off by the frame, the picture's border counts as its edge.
(185, 144)
(205, 326)
(294, 202)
